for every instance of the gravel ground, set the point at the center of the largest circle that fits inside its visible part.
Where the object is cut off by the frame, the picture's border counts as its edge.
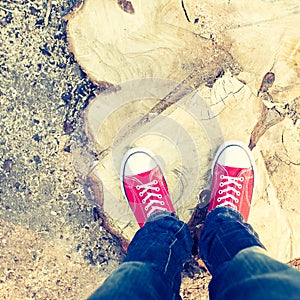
(48, 227)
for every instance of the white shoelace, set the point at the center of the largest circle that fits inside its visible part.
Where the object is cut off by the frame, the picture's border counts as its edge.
(147, 188)
(227, 188)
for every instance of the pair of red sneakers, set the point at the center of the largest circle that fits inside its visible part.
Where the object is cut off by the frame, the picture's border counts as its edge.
(145, 188)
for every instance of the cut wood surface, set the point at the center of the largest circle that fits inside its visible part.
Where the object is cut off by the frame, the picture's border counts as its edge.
(220, 70)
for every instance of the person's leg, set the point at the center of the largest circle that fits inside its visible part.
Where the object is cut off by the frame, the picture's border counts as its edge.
(229, 246)
(240, 266)
(224, 234)
(153, 265)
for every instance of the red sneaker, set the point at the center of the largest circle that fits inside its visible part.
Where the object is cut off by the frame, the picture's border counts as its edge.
(143, 185)
(233, 174)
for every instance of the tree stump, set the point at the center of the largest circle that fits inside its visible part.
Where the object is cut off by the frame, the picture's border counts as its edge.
(182, 76)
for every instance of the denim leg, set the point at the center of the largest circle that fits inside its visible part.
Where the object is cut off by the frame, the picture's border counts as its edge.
(224, 234)
(133, 280)
(238, 262)
(153, 265)
(252, 274)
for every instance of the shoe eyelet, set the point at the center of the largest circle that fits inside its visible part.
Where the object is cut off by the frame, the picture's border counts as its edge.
(162, 203)
(222, 177)
(146, 208)
(157, 189)
(238, 193)
(155, 181)
(218, 199)
(240, 186)
(242, 179)
(220, 192)
(141, 194)
(159, 196)
(138, 187)
(221, 184)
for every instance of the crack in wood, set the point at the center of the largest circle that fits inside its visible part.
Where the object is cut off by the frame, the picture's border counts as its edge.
(266, 83)
(268, 118)
(187, 86)
(196, 221)
(185, 12)
(228, 94)
(288, 163)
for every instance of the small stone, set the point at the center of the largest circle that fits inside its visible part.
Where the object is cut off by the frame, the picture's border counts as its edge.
(67, 149)
(9, 18)
(96, 214)
(45, 51)
(7, 165)
(68, 128)
(39, 22)
(34, 11)
(66, 97)
(37, 138)
(37, 159)
(17, 185)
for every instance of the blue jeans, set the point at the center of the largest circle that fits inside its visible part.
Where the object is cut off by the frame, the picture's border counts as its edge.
(229, 247)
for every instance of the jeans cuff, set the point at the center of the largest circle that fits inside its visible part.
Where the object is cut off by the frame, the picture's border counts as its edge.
(225, 234)
(161, 214)
(226, 211)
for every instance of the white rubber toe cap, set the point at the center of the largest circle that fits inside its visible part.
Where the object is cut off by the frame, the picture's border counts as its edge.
(234, 154)
(137, 161)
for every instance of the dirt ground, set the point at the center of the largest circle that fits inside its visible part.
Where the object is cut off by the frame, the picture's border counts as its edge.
(53, 244)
